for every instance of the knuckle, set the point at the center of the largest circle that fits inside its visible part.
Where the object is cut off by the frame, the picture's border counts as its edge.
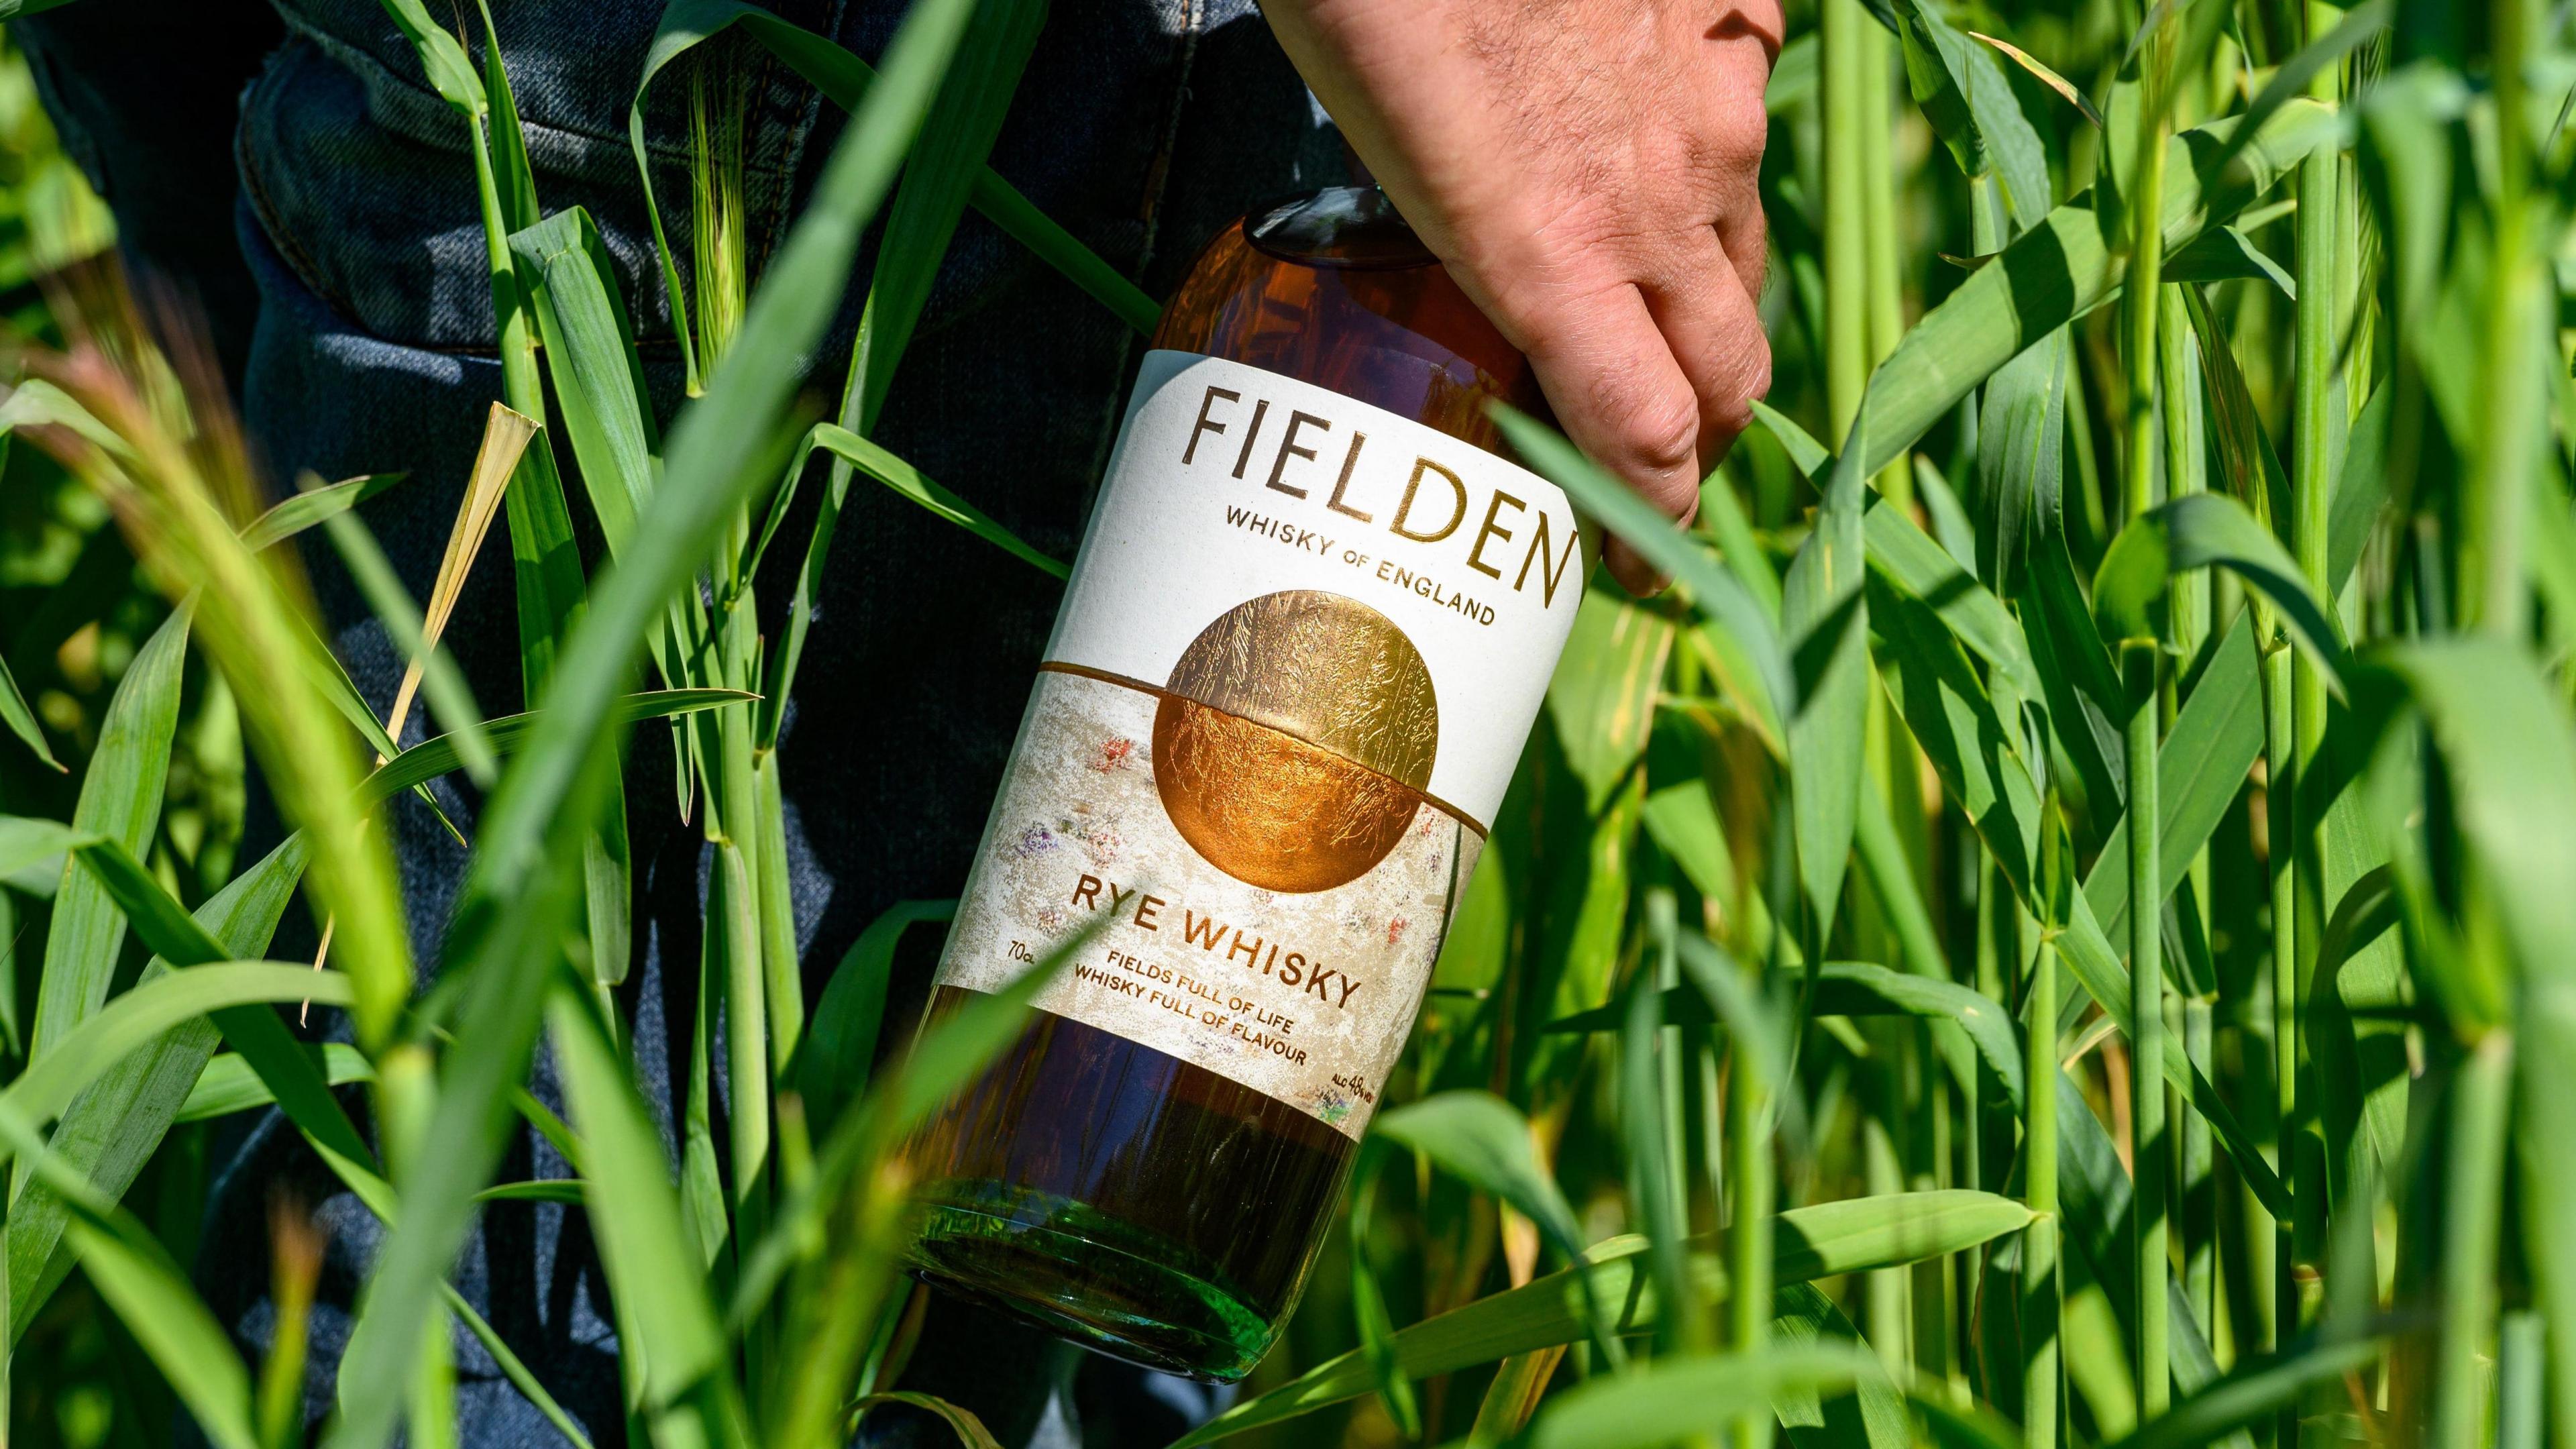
(1754, 271)
(1757, 367)
(1730, 410)
(1662, 432)
(1733, 145)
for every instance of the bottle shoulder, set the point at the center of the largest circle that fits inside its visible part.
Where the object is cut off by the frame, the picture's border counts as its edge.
(1332, 288)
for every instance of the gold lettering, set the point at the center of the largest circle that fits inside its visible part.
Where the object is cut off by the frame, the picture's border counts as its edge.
(1491, 529)
(1288, 448)
(1412, 485)
(1555, 569)
(1342, 485)
(1250, 434)
(1204, 426)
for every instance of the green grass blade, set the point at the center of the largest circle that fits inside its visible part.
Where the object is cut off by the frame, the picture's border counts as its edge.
(546, 564)
(2098, 968)
(2219, 732)
(1873, 1418)
(2292, 79)
(845, 80)
(513, 904)
(2248, 1395)
(29, 845)
(2021, 452)
(509, 734)
(120, 801)
(2200, 768)
(562, 1190)
(970, 1430)
(150, 1293)
(590, 352)
(110, 1130)
(955, 138)
(228, 1084)
(1858, 988)
(1951, 716)
(1971, 747)
(1675, 1398)
(287, 1066)
(2473, 1165)
(608, 419)
(1806, 454)
(1913, 561)
(2511, 758)
(608, 880)
(2225, 254)
(2207, 530)
(39, 403)
(1962, 90)
(1046, 238)
(908, 481)
(2076, 677)
(1824, 614)
(2252, 467)
(1826, 1240)
(1862, 988)
(1369, 1313)
(1916, 562)
(2546, 1026)
(851, 451)
(1602, 696)
(1649, 1134)
(157, 918)
(2058, 271)
(1722, 514)
(1752, 1026)
(451, 71)
(1709, 587)
(948, 1054)
(311, 507)
(841, 1044)
(1485, 1142)
(135, 1018)
(636, 1218)
(22, 720)
(514, 1369)
(1864, 1234)
(323, 672)
(515, 178)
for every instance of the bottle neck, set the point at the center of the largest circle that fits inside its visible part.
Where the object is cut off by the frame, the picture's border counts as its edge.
(1342, 228)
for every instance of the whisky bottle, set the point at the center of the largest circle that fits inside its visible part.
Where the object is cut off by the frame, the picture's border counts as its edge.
(1309, 629)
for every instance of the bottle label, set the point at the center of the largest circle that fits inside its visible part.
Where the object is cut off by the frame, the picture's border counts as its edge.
(1298, 657)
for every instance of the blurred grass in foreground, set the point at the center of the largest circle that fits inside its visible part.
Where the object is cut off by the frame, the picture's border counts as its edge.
(2173, 423)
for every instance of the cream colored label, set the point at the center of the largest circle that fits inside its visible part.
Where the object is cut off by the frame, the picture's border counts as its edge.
(1297, 660)
(1306, 997)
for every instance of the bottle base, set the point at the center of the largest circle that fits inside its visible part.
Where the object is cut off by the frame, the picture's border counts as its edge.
(1086, 1277)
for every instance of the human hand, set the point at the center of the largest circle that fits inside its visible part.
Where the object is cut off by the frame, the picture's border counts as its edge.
(1588, 171)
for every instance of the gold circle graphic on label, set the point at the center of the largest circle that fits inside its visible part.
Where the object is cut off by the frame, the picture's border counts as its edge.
(1296, 740)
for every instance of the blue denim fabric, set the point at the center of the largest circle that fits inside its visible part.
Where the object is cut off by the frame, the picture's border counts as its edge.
(367, 345)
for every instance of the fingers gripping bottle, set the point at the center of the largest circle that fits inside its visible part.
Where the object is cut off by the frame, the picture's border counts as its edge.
(1311, 625)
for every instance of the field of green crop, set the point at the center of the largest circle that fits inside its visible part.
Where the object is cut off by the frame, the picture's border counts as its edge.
(2167, 501)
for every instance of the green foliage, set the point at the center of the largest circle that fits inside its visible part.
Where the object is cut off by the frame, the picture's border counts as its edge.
(1751, 1096)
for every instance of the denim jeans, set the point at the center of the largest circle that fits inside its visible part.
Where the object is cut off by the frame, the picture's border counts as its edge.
(343, 282)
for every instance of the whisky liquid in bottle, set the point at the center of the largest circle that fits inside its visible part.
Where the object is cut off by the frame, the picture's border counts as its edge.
(1310, 627)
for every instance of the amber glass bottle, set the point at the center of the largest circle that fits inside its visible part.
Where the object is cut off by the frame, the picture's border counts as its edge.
(1309, 631)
